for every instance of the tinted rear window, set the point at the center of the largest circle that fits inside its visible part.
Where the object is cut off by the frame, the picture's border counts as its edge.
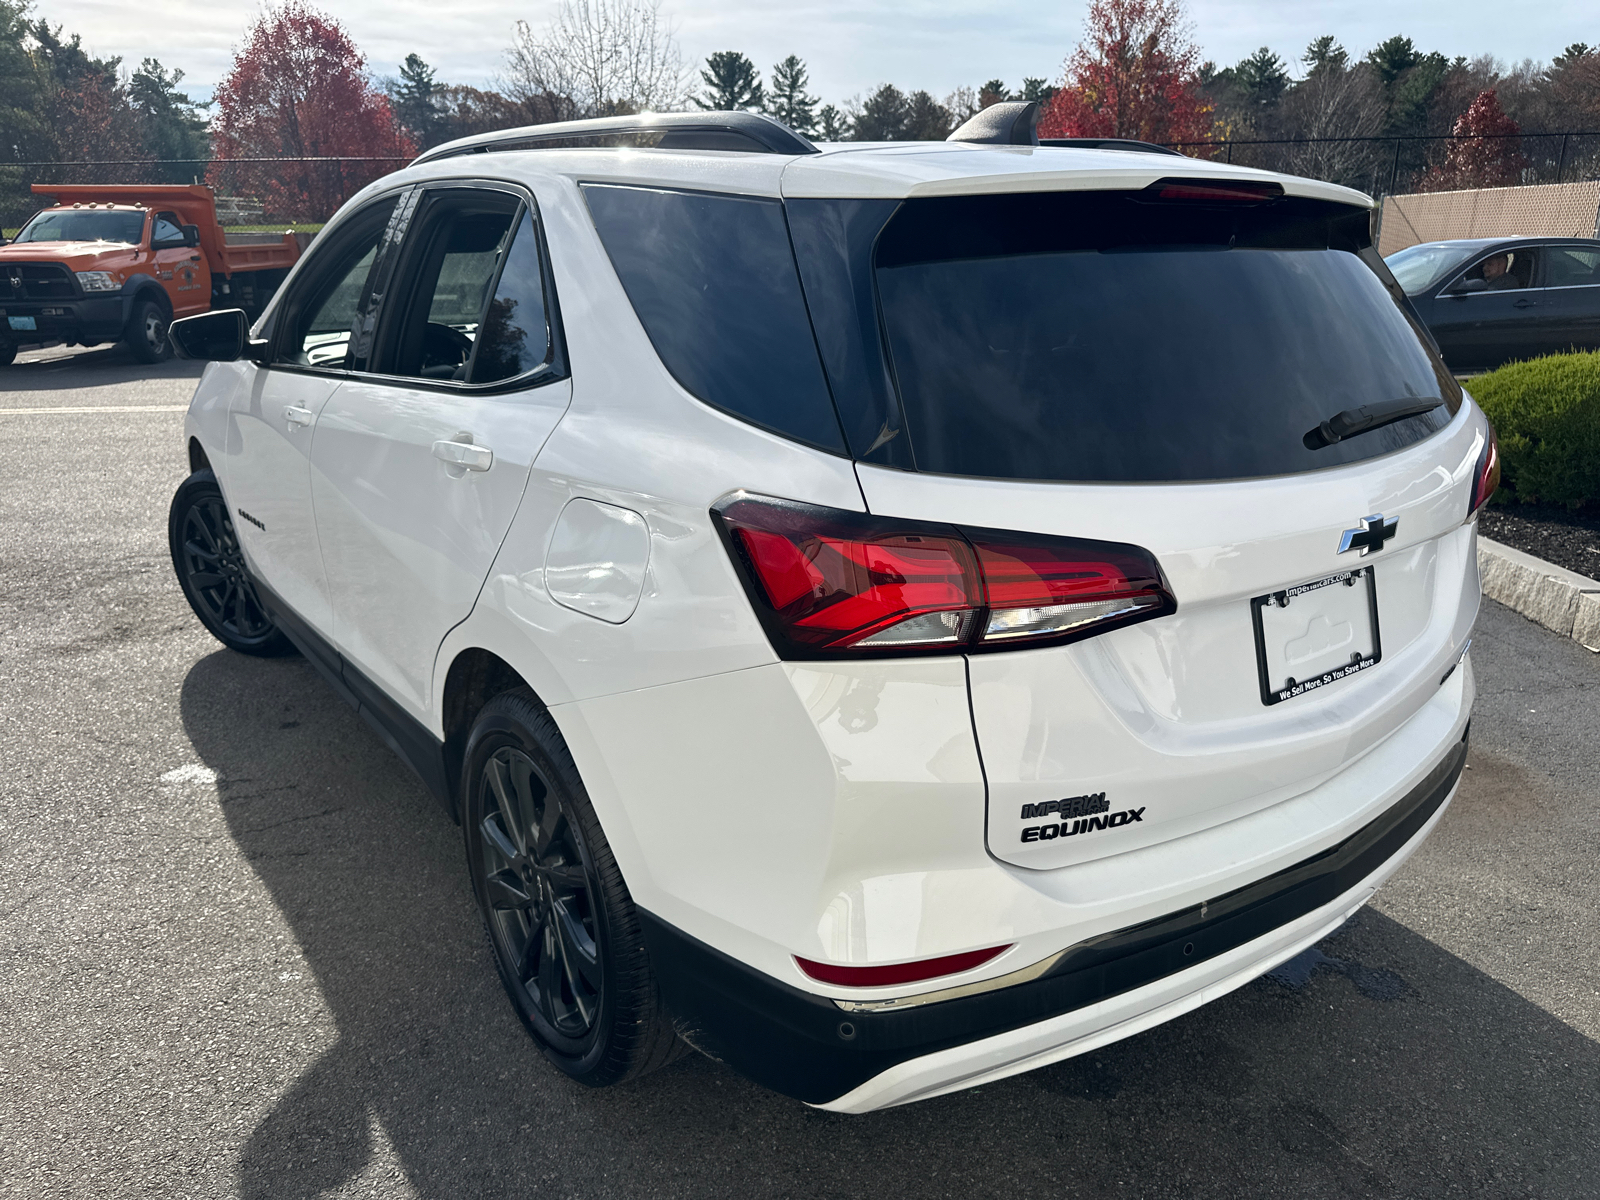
(712, 278)
(1096, 337)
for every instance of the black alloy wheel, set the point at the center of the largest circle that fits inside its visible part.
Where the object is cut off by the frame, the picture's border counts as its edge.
(212, 571)
(541, 902)
(564, 931)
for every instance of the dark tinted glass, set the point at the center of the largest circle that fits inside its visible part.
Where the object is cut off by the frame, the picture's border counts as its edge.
(1098, 337)
(321, 313)
(166, 229)
(514, 337)
(713, 281)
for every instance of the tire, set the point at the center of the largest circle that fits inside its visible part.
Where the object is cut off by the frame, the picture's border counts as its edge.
(212, 573)
(8, 353)
(146, 333)
(564, 931)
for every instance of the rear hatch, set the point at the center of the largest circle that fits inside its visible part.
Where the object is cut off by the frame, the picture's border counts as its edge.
(1229, 380)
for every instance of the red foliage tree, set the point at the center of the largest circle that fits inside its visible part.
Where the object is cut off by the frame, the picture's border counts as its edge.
(299, 89)
(1133, 76)
(1488, 152)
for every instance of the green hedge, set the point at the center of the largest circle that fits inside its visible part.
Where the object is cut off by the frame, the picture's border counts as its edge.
(1546, 413)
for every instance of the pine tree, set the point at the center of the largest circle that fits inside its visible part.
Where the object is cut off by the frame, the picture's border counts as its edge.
(993, 92)
(1325, 53)
(171, 125)
(831, 124)
(731, 83)
(788, 99)
(415, 99)
(1262, 78)
(884, 116)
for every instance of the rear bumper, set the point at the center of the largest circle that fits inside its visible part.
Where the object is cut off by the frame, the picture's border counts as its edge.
(1108, 987)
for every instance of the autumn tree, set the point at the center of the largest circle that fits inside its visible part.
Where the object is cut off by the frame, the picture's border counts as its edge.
(787, 98)
(1133, 76)
(1487, 152)
(298, 89)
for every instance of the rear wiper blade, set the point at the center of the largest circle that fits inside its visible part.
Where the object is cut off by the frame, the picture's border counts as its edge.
(1369, 416)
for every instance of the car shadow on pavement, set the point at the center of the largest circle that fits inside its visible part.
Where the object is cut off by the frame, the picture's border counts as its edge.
(1377, 1065)
(57, 368)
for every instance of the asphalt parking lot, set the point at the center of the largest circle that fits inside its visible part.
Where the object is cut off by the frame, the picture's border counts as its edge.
(239, 956)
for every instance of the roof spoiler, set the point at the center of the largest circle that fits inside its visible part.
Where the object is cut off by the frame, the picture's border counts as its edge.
(1009, 123)
(741, 131)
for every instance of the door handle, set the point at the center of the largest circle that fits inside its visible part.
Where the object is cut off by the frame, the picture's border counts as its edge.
(1524, 302)
(297, 416)
(464, 454)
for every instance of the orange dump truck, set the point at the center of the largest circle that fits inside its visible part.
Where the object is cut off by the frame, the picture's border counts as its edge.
(107, 263)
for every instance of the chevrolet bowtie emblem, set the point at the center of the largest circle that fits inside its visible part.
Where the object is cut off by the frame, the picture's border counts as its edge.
(16, 283)
(1374, 532)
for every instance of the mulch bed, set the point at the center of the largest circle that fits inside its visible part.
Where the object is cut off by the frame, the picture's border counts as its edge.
(1556, 534)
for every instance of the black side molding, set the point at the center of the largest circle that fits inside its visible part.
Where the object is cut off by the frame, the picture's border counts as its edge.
(403, 733)
(805, 1046)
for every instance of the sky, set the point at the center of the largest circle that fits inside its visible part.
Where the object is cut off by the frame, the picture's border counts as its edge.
(850, 46)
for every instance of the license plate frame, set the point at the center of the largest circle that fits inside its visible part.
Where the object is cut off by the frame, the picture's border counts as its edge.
(1295, 687)
(23, 324)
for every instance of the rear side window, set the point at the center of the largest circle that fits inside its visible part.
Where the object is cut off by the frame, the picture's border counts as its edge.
(1100, 337)
(712, 279)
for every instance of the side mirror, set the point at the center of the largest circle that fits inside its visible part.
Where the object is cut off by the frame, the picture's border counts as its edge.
(1464, 286)
(191, 235)
(220, 336)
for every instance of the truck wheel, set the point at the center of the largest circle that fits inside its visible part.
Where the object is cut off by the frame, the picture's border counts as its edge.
(8, 353)
(212, 571)
(146, 334)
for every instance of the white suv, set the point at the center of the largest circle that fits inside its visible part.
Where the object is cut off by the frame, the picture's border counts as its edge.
(892, 616)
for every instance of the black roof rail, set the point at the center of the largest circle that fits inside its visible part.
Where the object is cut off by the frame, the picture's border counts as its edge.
(1090, 143)
(1009, 123)
(746, 131)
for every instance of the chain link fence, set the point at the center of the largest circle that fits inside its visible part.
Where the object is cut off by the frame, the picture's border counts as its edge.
(1385, 166)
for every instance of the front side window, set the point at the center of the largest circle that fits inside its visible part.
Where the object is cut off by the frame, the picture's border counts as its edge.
(713, 281)
(167, 229)
(84, 225)
(321, 314)
(1505, 271)
(473, 300)
(1101, 337)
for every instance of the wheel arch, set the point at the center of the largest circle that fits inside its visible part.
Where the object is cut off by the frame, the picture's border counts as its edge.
(143, 287)
(475, 677)
(198, 459)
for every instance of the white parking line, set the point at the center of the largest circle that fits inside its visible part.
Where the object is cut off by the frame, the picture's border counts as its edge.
(99, 408)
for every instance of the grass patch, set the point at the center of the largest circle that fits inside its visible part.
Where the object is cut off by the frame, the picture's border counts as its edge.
(1546, 413)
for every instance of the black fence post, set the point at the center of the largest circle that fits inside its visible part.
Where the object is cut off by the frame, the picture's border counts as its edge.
(1394, 171)
(1561, 160)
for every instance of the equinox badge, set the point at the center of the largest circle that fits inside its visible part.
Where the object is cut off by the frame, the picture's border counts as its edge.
(1374, 532)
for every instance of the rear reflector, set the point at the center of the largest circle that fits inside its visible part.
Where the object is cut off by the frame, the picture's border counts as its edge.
(1486, 478)
(906, 972)
(828, 583)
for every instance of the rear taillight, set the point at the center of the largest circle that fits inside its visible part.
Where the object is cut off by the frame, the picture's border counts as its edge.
(1486, 478)
(831, 584)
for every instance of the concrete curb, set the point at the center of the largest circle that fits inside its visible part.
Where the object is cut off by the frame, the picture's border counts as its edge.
(1562, 601)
